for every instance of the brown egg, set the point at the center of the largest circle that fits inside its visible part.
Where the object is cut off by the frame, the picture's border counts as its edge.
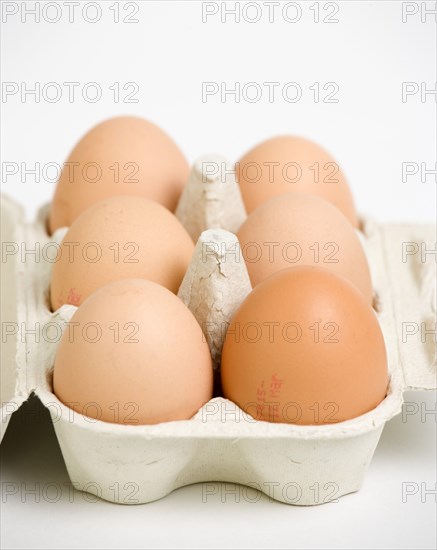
(133, 353)
(299, 229)
(118, 238)
(287, 164)
(121, 156)
(305, 348)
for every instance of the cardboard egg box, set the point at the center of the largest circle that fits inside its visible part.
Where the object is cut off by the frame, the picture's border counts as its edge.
(221, 442)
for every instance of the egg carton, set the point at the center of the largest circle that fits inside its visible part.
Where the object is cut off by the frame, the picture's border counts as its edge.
(302, 465)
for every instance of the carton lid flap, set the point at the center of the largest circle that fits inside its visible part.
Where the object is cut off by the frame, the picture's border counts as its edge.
(13, 386)
(410, 262)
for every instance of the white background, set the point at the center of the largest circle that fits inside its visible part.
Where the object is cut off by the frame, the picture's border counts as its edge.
(169, 53)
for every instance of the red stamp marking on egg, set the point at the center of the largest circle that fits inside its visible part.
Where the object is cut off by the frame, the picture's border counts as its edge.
(275, 386)
(267, 399)
(73, 297)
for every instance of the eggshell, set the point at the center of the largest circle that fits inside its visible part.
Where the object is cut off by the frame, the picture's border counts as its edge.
(120, 156)
(287, 164)
(300, 229)
(305, 348)
(133, 353)
(117, 238)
